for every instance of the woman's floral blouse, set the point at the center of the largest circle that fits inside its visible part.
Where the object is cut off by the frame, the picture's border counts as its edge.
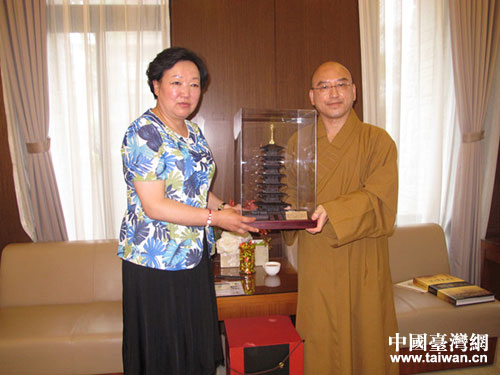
(151, 151)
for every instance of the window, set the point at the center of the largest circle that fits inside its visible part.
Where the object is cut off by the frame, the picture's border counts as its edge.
(98, 52)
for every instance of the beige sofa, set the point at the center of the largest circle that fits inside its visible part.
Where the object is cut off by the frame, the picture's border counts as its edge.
(60, 308)
(421, 250)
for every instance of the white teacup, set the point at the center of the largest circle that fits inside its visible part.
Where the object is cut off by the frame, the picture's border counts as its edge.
(272, 268)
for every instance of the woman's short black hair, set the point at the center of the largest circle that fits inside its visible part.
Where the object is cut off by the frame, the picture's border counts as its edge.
(167, 58)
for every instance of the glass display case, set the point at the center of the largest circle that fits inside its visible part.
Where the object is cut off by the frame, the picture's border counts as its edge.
(275, 165)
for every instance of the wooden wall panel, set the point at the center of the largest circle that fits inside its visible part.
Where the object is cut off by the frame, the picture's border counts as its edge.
(261, 54)
(10, 223)
(493, 230)
(309, 33)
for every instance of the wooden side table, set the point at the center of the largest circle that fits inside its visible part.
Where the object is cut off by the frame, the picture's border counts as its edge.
(270, 295)
(490, 275)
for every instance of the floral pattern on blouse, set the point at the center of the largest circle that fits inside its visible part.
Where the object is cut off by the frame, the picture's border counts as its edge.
(151, 151)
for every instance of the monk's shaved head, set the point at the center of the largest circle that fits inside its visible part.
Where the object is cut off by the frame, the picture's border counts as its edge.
(327, 66)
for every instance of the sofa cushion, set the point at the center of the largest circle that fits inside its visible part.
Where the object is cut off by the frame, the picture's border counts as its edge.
(61, 339)
(422, 312)
(72, 272)
(417, 250)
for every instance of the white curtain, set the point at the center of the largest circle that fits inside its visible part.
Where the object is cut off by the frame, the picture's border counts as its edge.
(408, 89)
(372, 35)
(98, 53)
(475, 36)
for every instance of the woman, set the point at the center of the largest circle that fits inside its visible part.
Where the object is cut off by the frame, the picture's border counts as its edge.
(170, 323)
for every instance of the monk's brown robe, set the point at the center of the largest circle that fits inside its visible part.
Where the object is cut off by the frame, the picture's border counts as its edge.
(345, 307)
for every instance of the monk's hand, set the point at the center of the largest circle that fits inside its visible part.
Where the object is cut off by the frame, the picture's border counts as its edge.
(321, 218)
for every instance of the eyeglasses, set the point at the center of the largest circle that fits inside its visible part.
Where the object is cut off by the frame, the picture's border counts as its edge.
(342, 86)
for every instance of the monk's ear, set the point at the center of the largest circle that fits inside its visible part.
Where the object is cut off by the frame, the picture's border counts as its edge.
(353, 92)
(311, 96)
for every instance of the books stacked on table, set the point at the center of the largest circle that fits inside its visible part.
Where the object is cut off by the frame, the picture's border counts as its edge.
(454, 290)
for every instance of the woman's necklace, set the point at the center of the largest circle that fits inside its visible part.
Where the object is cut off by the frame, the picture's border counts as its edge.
(183, 132)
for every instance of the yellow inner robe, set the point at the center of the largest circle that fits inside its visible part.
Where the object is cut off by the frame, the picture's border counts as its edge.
(345, 307)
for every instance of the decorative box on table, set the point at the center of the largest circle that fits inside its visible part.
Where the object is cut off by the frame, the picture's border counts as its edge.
(275, 176)
(228, 249)
(261, 252)
(263, 343)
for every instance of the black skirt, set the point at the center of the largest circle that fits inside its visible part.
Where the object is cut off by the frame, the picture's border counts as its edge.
(170, 323)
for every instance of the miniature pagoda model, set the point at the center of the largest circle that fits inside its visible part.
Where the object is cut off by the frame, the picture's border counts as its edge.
(270, 203)
(275, 167)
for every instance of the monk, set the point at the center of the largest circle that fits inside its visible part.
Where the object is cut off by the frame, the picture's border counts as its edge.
(345, 308)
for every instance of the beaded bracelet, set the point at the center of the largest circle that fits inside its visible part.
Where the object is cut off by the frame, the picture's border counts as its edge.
(209, 219)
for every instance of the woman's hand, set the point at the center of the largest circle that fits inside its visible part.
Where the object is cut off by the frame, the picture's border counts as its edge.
(231, 220)
(321, 216)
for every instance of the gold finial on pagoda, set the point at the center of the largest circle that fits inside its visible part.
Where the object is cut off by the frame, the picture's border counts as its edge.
(271, 141)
